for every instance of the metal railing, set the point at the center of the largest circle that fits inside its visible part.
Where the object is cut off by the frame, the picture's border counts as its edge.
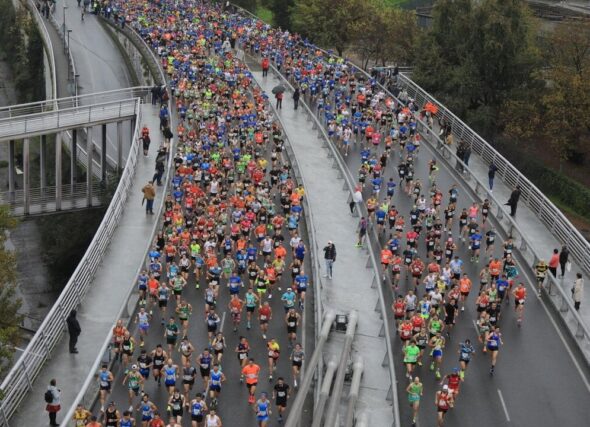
(542, 207)
(536, 201)
(19, 380)
(42, 200)
(73, 101)
(48, 47)
(66, 118)
(372, 261)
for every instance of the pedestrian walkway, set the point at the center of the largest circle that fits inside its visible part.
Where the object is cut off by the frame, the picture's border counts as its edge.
(62, 71)
(350, 288)
(110, 288)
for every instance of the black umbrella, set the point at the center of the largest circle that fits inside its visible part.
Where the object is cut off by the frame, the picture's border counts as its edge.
(279, 89)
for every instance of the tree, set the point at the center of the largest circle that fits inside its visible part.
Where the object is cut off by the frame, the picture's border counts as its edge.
(281, 12)
(10, 319)
(560, 113)
(330, 23)
(387, 35)
(478, 55)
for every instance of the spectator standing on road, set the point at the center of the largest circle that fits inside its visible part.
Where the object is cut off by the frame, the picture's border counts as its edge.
(563, 259)
(279, 97)
(155, 94)
(491, 175)
(357, 197)
(554, 262)
(265, 66)
(513, 200)
(74, 330)
(330, 258)
(149, 194)
(466, 153)
(578, 291)
(160, 168)
(53, 400)
(296, 96)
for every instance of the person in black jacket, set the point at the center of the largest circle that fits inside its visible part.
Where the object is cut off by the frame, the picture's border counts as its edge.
(513, 200)
(296, 96)
(74, 330)
(563, 258)
(330, 258)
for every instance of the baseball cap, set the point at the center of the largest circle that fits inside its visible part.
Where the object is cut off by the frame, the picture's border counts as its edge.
(445, 387)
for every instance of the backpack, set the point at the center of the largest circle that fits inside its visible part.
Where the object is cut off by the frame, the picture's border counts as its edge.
(48, 396)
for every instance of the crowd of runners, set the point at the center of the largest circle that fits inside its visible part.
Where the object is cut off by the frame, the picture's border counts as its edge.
(231, 228)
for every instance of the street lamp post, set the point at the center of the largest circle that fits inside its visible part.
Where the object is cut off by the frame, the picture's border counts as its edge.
(68, 46)
(64, 29)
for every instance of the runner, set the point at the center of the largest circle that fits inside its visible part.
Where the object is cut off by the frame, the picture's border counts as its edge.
(466, 352)
(217, 377)
(198, 408)
(519, 298)
(493, 342)
(146, 408)
(411, 354)
(262, 410)
(415, 390)
(251, 372)
(134, 382)
(274, 351)
(105, 381)
(281, 393)
(443, 404)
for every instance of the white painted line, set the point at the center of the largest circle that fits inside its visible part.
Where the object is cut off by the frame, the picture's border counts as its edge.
(222, 321)
(504, 405)
(476, 328)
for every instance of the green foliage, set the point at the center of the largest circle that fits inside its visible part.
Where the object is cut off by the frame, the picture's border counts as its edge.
(10, 319)
(21, 43)
(64, 239)
(565, 191)
(386, 35)
(281, 12)
(330, 23)
(246, 4)
(560, 113)
(478, 55)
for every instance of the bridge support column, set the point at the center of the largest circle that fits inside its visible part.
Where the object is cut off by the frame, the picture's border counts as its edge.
(103, 154)
(58, 176)
(42, 164)
(74, 158)
(26, 176)
(11, 170)
(119, 147)
(89, 155)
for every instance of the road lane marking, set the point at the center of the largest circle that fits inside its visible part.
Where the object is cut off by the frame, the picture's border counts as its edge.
(222, 321)
(504, 405)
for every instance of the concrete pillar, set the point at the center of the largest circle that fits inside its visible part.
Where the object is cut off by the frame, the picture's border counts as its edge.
(74, 158)
(26, 176)
(119, 146)
(42, 164)
(103, 154)
(11, 169)
(89, 154)
(58, 183)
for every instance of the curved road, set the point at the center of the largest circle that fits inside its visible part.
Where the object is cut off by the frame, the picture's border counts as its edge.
(537, 382)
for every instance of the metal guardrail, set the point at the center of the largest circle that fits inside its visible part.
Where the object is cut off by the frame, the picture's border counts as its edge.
(74, 101)
(66, 118)
(537, 202)
(313, 245)
(19, 380)
(350, 185)
(48, 47)
(541, 206)
(43, 199)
